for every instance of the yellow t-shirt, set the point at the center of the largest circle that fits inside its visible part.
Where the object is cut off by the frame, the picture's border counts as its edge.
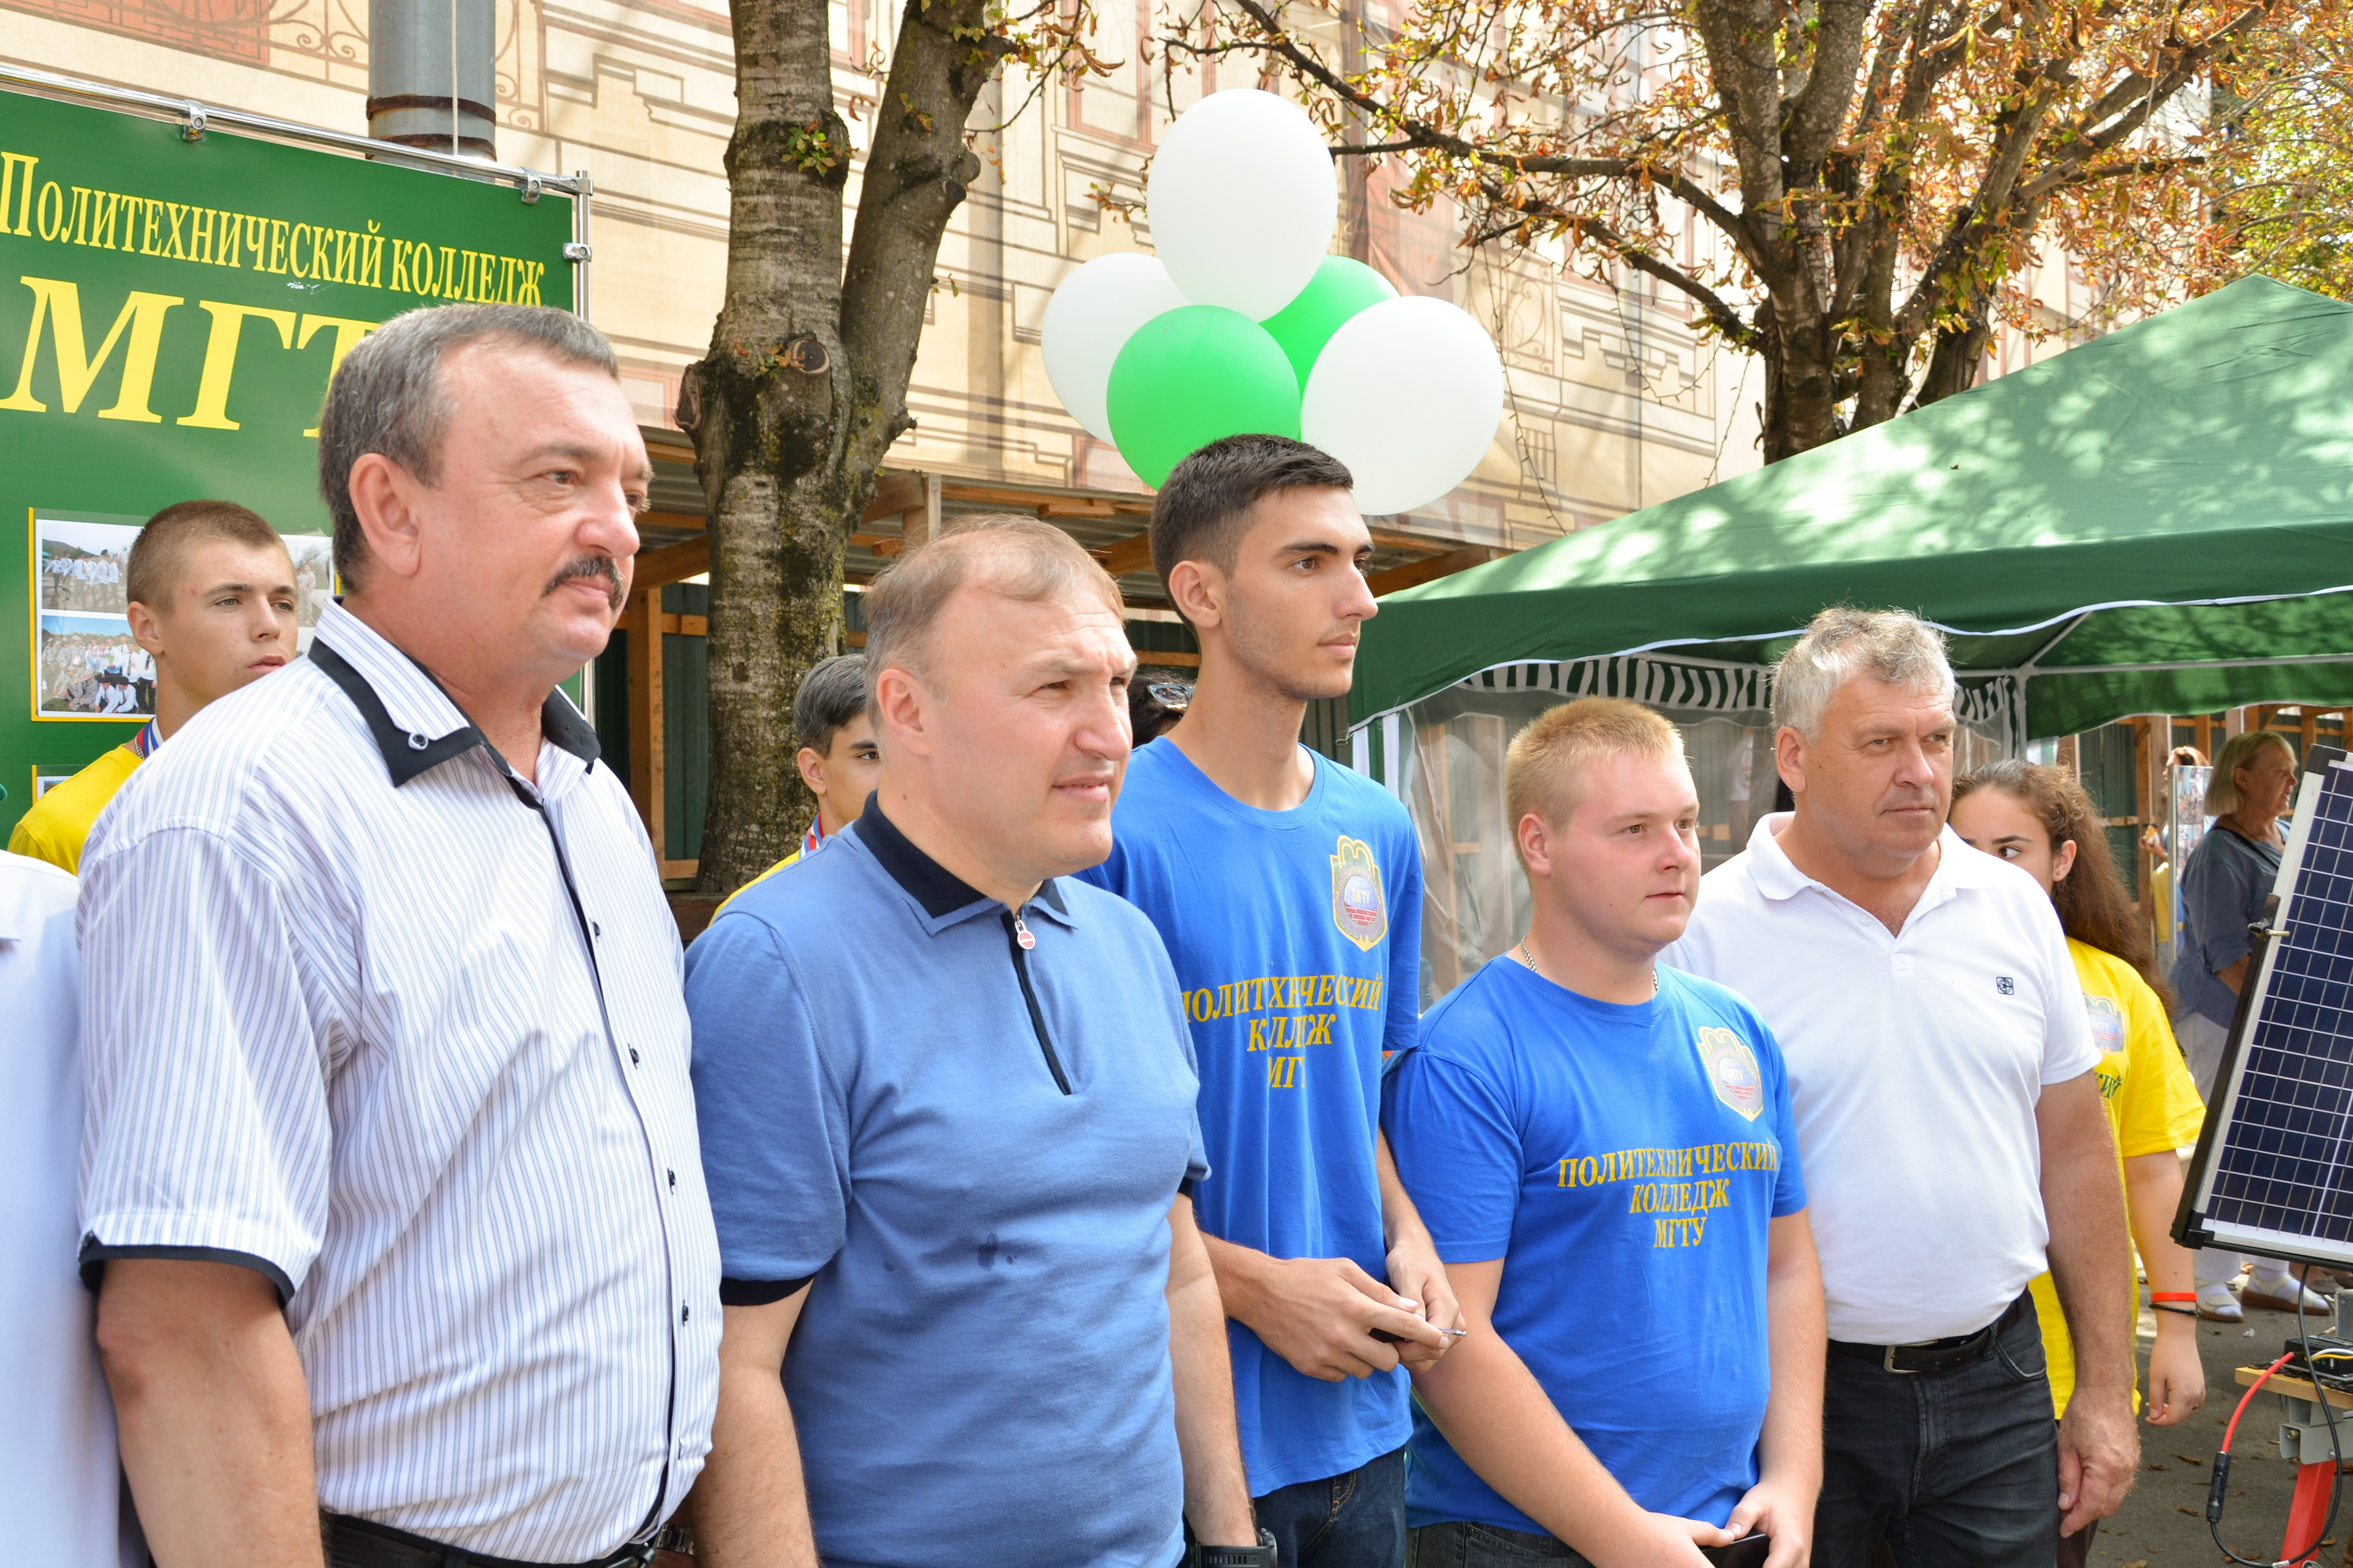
(2151, 1103)
(58, 824)
(755, 883)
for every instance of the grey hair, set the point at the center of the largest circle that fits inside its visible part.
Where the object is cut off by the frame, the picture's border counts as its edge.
(389, 396)
(1901, 649)
(832, 694)
(1016, 556)
(2239, 751)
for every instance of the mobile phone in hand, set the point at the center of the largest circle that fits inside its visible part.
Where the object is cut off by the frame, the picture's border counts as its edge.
(1748, 1551)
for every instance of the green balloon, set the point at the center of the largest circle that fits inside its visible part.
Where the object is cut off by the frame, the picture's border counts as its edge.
(1194, 375)
(1339, 289)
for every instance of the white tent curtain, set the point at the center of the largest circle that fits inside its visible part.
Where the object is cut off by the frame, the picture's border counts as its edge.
(1443, 757)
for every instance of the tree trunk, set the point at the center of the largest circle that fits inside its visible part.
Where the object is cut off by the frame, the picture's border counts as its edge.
(804, 386)
(1800, 381)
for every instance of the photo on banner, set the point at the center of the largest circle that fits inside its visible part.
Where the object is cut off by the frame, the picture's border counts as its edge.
(86, 663)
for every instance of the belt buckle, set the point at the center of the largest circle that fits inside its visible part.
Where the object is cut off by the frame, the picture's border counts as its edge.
(1887, 1359)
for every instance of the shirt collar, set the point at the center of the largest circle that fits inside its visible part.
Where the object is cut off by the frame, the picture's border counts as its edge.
(939, 891)
(1777, 877)
(414, 723)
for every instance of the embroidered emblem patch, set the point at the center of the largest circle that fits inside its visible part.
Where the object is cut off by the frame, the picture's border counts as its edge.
(1731, 1072)
(1359, 906)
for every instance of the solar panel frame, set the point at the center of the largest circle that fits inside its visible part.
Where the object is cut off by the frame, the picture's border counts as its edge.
(2273, 1174)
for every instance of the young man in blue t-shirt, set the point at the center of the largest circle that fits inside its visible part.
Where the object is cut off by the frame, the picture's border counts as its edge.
(1604, 1151)
(1288, 891)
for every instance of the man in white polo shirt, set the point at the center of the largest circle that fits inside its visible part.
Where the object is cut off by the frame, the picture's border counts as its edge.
(1941, 1069)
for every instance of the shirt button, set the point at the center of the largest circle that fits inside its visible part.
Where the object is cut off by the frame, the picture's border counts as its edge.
(684, 1312)
(674, 1179)
(633, 1056)
(595, 929)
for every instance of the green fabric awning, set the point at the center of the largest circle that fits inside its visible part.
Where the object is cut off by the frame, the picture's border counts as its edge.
(2159, 521)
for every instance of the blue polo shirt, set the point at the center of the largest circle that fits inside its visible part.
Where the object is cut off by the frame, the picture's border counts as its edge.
(1625, 1164)
(969, 1149)
(1297, 937)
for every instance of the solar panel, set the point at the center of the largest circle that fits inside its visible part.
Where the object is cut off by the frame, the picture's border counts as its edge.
(2274, 1171)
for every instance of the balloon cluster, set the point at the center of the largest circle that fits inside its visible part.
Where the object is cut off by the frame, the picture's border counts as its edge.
(1241, 324)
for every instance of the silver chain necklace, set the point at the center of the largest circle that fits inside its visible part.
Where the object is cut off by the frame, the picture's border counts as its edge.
(1524, 956)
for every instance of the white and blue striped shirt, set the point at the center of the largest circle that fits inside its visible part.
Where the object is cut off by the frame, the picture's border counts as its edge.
(368, 1013)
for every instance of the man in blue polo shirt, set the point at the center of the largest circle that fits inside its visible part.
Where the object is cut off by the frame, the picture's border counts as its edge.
(947, 1112)
(1604, 1149)
(1289, 892)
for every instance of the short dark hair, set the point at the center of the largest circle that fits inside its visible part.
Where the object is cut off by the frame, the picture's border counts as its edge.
(390, 396)
(1198, 513)
(153, 569)
(832, 694)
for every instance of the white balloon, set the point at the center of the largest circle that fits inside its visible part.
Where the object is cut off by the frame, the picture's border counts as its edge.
(1406, 393)
(1088, 321)
(1243, 201)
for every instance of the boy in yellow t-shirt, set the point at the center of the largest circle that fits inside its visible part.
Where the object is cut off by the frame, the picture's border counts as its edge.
(212, 602)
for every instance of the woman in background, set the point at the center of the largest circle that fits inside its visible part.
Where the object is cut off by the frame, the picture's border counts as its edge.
(2040, 820)
(2223, 885)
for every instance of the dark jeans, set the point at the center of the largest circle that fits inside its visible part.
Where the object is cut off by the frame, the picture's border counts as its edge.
(1354, 1521)
(1955, 1469)
(1459, 1544)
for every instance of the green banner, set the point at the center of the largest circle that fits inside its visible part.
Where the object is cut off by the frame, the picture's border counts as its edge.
(170, 314)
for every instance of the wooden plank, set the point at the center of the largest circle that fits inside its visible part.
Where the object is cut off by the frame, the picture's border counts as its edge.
(973, 494)
(896, 493)
(1169, 658)
(673, 563)
(2311, 728)
(1383, 540)
(673, 519)
(673, 869)
(674, 625)
(1130, 554)
(647, 731)
(2293, 1387)
(1414, 573)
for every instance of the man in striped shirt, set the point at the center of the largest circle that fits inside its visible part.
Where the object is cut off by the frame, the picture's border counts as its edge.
(390, 1183)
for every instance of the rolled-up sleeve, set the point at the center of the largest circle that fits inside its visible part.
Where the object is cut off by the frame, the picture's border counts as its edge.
(205, 1132)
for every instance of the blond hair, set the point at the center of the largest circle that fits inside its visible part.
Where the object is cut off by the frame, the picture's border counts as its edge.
(1006, 553)
(2239, 751)
(1547, 761)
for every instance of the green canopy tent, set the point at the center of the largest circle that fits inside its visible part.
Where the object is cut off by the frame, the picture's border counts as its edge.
(2159, 521)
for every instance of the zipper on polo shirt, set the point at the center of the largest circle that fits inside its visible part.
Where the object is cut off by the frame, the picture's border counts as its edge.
(1018, 940)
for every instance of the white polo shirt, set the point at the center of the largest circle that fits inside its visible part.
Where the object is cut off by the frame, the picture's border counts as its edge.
(1915, 1063)
(59, 1480)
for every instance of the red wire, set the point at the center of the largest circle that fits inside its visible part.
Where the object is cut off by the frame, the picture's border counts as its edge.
(2231, 1430)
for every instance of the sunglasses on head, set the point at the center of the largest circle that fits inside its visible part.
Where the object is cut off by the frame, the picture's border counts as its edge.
(1170, 694)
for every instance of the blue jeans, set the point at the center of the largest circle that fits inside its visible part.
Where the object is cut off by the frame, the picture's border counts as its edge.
(1352, 1521)
(1955, 1469)
(1458, 1544)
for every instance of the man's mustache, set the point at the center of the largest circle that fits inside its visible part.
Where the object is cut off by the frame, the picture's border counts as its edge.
(603, 566)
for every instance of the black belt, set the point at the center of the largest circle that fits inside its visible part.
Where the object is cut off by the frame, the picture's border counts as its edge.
(363, 1543)
(1938, 1355)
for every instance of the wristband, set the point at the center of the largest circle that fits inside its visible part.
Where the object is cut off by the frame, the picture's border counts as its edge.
(2156, 1296)
(2169, 1307)
(1262, 1555)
